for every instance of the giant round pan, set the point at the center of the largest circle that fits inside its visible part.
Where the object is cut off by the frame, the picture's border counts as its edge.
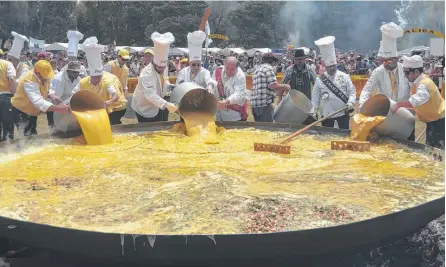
(194, 250)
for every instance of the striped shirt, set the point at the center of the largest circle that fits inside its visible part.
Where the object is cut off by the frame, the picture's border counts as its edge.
(300, 79)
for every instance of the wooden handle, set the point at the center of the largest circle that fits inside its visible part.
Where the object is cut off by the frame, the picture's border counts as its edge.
(206, 15)
(286, 140)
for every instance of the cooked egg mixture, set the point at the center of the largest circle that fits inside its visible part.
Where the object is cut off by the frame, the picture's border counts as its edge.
(167, 183)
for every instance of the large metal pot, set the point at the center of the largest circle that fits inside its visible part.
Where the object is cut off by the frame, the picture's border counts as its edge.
(226, 249)
(399, 125)
(294, 108)
(191, 97)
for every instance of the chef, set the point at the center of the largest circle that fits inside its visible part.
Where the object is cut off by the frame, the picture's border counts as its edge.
(101, 82)
(73, 51)
(30, 97)
(334, 89)
(119, 68)
(426, 100)
(195, 72)
(153, 84)
(7, 89)
(14, 55)
(388, 79)
(231, 90)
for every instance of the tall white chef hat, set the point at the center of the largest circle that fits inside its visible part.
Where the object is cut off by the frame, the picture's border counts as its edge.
(161, 43)
(195, 44)
(17, 45)
(390, 33)
(327, 49)
(412, 62)
(73, 42)
(93, 53)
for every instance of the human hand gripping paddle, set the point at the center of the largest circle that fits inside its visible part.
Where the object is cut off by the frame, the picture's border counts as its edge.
(282, 147)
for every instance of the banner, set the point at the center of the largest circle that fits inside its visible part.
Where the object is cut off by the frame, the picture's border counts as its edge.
(36, 46)
(420, 30)
(219, 36)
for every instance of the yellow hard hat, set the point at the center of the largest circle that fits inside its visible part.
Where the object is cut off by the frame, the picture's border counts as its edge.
(124, 54)
(184, 60)
(149, 51)
(44, 68)
(1, 52)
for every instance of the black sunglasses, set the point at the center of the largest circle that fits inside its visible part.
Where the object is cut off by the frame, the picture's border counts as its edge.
(407, 72)
(195, 65)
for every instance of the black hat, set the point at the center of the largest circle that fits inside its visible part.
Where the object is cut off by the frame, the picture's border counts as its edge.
(299, 54)
(269, 56)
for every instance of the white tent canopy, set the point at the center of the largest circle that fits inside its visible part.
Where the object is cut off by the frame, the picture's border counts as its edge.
(214, 50)
(252, 51)
(237, 50)
(58, 47)
(406, 52)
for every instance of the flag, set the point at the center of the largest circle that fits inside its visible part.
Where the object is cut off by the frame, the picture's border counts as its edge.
(36, 46)
(207, 30)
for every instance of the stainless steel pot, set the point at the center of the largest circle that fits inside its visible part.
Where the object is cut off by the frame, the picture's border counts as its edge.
(191, 97)
(399, 125)
(294, 108)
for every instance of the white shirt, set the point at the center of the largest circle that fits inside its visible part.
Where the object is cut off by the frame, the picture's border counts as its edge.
(332, 103)
(234, 89)
(203, 77)
(32, 90)
(83, 73)
(10, 74)
(380, 79)
(422, 94)
(148, 99)
(61, 85)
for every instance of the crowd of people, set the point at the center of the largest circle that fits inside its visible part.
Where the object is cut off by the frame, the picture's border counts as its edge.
(43, 83)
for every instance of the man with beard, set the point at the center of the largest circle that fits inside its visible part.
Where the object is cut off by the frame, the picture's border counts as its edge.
(426, 100)
(256, 62)
(333, 89)
(153, 83)
(64, 82)
(388, 78)
(195, 72)
(300, 76)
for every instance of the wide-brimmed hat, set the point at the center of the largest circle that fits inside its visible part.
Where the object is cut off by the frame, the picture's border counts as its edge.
(300, 54)
(269, 56)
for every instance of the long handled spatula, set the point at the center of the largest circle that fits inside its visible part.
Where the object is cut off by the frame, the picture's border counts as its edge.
(282, 146)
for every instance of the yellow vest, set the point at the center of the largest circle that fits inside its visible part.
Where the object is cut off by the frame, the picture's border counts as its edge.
(20, 68)
(5, 85)
(433, 109)
(121, 73)
(101, 90)
(20, 99)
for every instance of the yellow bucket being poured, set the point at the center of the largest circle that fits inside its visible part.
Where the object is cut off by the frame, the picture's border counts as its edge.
(89, 110)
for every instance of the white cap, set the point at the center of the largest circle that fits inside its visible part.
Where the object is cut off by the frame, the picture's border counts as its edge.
(17, 45)
(390, 33)
(161, 43)
(195, 44)
(93, 53)
(73, 42)
(327, 49)
(412, 62)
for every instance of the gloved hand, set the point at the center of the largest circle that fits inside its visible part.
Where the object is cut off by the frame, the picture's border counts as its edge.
(210, 88)
(350, 107)
(171, 107)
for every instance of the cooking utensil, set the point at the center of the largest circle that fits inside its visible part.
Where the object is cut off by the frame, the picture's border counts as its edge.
(282, 146)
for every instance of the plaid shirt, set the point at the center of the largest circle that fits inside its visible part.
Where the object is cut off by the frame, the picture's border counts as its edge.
(261, 95)
(300, 79)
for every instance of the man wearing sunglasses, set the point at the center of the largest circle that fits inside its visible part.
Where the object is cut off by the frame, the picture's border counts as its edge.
(388, 78)
(426, 100)
(195, 72)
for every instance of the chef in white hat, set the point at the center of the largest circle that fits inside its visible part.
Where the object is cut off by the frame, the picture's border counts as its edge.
(195, 72)
(101, 82)
(334, 89)
(389, 77)
(74, 37)
(14, 54)
(425, 99)
(153, 83)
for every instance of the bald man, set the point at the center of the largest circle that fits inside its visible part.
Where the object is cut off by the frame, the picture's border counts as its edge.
(231, 92)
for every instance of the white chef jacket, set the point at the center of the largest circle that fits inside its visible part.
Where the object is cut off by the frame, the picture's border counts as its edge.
(380, 79)
(203, 77)
(61, 85)
(422, 94)
(148, 99)
(10, 74)
(234, 89)
(333, 103)
(32, 90)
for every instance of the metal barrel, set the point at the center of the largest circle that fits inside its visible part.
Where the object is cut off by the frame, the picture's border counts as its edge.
(80, 101)
(399, 125)
(294, 108)
(191, 97)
